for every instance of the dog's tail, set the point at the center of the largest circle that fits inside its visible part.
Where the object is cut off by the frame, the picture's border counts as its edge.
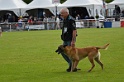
(103, 47)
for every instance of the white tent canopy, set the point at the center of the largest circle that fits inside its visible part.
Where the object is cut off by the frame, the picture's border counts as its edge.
(46, 4)
(116, 2)
(13, 5)
(111, 6)
(40, 4)
(75, 3)
(89, 4)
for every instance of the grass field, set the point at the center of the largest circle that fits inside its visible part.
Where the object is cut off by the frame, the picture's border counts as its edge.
(30, 56)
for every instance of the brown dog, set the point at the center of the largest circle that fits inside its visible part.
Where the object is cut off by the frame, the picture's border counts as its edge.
(76, 54)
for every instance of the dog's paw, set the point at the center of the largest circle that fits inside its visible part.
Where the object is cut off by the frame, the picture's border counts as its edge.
(89, 71)
(75, 70)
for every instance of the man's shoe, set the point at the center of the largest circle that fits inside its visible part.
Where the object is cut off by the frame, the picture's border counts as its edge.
(68, 70)
(75, 70)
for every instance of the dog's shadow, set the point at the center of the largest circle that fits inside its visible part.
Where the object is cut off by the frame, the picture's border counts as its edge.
(84, 72)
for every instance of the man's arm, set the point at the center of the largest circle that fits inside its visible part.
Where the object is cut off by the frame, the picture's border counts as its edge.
(73, 38)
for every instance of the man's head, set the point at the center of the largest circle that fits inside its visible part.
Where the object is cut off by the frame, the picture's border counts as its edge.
(64, 12)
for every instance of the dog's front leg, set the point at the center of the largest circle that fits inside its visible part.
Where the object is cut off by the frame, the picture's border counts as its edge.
(72, 67)
(76, 63)
(75, 66)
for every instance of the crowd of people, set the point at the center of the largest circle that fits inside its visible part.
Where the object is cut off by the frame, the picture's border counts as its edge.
(50, 23)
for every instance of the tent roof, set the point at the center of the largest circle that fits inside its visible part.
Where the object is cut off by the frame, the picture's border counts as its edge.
(11, 4)
(116, 2)
(40, 4)
(72, 3)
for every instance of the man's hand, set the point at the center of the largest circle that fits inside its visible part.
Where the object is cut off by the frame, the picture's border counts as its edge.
(72, 43)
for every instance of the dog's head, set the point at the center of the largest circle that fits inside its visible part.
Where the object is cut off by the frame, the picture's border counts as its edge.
(60, 49)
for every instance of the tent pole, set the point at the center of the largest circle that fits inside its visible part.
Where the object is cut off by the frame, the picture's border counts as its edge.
(20, 12)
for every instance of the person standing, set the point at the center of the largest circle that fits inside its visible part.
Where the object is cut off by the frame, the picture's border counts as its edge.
(57, 23)
(45, 20)
(0, 31)
(69, 33)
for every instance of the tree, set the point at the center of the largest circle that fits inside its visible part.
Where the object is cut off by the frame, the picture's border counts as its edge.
(27, 1)
(62, 1)
(108, 1)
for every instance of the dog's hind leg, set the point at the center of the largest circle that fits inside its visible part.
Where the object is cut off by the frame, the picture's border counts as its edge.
(97, 59)
(91, 61)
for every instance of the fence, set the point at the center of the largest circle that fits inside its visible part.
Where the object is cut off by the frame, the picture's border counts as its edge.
(40, 25)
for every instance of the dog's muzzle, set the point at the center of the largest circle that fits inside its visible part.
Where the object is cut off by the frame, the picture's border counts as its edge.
(59, 50)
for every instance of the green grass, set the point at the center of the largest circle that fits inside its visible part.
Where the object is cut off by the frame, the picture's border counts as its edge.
(30, 56)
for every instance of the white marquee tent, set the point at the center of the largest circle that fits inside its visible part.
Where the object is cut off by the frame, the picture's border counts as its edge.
(111, 6)
(39, 4)
(75, 3)
(91, 5)
(46, 4)
(13, 5)
(116, 2)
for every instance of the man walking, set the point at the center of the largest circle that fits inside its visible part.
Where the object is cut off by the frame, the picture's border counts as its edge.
(68, 32)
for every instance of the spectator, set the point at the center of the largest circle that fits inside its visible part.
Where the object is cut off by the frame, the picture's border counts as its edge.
(45, 20)
(53, 22)
(30, 20)
(0, 31)
(78, 17)
(57, 23)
